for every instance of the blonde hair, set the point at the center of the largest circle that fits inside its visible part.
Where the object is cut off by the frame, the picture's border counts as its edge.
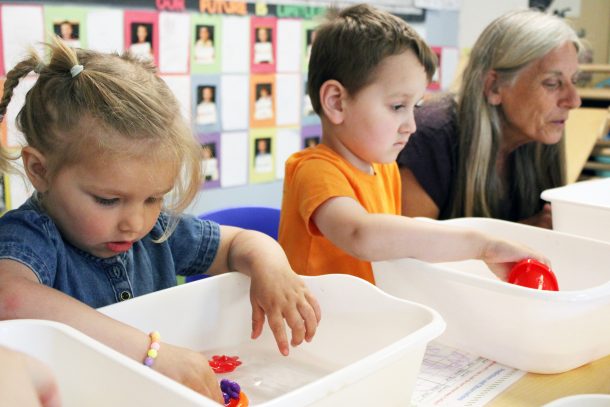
(349, 46)
(116, 100)
(508, 45)
(5, 161)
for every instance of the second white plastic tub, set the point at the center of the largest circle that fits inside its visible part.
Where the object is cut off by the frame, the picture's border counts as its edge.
(532, 330)
(582, 208)
(367, 351)
(582, 400)
(89, 373)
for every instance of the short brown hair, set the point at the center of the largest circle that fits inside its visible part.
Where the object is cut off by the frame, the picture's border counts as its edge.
(352, 42)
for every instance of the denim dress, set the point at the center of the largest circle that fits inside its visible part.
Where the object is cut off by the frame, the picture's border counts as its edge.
(28, 235)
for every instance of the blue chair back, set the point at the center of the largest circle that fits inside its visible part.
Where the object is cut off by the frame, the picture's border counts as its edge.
(260, 218)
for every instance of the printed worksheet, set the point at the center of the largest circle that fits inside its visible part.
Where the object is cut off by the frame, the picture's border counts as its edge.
(451, 377)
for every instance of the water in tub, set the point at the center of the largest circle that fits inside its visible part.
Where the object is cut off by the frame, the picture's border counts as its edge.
(265, 374)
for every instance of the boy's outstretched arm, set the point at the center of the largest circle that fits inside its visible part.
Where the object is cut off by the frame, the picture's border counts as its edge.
(276, 290)
(22, 296)
(375, 237)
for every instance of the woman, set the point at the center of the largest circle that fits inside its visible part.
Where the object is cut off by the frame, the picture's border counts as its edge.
(493, 148)
(142, 47)
(204, 46)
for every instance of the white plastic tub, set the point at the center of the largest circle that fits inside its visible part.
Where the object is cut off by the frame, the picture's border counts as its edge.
(582, 400)
(582, 208)
(532, 330)
(367, 351)
(89, 373)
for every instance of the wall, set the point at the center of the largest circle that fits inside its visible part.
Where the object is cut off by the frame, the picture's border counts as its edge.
(444, 27)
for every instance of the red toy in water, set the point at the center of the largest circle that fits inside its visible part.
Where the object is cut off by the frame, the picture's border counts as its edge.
(224, 363)
(533, 274)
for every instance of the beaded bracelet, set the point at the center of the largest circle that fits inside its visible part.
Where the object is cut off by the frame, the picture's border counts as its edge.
(153, 349)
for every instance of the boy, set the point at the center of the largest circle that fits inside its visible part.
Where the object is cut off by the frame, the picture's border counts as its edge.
(341, 205)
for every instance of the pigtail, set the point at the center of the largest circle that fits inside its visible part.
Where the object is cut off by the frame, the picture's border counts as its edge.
(13, 77)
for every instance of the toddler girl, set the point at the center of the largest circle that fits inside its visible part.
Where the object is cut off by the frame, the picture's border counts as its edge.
(113, 164)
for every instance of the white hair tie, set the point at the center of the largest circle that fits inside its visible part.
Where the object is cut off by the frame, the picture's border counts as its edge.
(76, 69)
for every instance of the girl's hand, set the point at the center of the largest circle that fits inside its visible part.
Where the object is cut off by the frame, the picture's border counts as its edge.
(189, 368)
(543, 219)
(276, 291)
(501, 256)
(283, 296)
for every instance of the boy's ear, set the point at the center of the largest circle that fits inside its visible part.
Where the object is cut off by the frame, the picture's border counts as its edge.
(332, 94)
(35, 165)
(491, 88)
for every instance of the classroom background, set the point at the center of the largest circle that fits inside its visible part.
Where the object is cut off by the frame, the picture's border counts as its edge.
(239, 70)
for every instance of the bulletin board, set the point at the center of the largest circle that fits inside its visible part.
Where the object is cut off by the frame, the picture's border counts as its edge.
(239, 71)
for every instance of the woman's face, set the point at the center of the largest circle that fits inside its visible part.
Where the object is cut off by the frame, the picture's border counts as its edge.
(207, 94)
(204, 34)
(141, 33)
(66, 31)
(262, 35)
(206, 153)
(261, 145)
(536, 105)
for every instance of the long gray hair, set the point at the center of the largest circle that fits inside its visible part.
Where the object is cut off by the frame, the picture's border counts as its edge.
(508, 45)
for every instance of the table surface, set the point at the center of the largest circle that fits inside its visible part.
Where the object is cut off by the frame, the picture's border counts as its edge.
(538, 389)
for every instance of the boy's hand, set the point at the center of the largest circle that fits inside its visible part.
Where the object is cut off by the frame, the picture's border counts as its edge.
(283, 295)
(501, 256)
(190, 368)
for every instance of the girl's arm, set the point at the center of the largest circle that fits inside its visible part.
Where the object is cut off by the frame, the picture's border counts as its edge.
(276, 292)
(22, 296)
(374, 237)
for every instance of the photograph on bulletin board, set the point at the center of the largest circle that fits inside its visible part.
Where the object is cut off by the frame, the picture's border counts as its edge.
(262, 155)
(210, 160)
(206, 103)
(262, 101)
(69, 32)
(264, 41)
(311, 136)
(142, 35)
(204, 51)
(68, 24)
(206, 40)
(141, 41)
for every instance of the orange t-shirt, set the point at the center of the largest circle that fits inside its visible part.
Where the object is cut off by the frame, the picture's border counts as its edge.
(312, 177)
